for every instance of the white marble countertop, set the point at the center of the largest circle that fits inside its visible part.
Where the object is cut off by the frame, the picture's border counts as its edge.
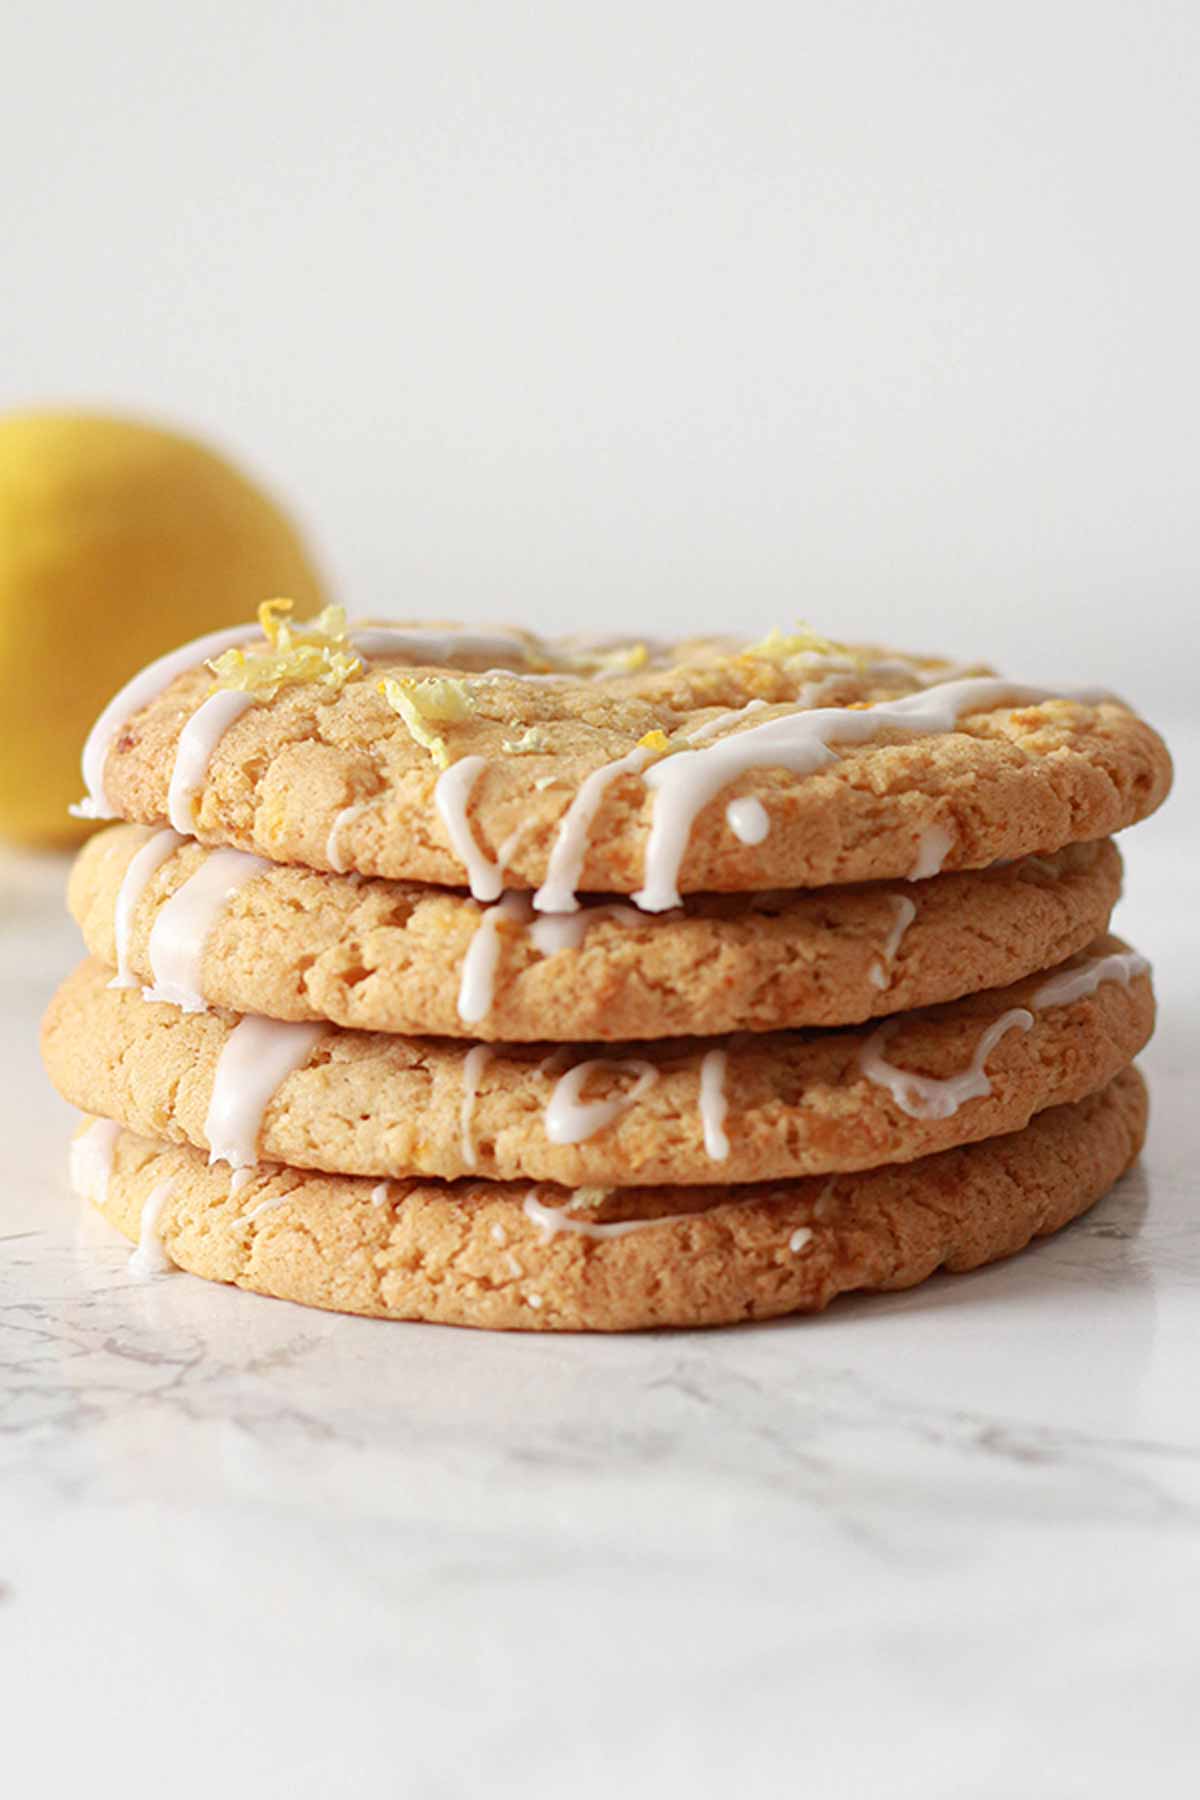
(940, 1544)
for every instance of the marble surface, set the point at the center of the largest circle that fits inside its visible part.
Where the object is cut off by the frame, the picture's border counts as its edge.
(944, 1543)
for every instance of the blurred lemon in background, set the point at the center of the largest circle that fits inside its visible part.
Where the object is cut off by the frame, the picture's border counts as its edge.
(117, 542)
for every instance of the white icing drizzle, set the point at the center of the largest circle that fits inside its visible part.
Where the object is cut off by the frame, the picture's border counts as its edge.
(442, 649)
(934, 847)
(264, 1206)
(176, 948)
(130, 700)
(498, 1235)
(258, 1055)
(477, 984)
(381, 1194)
(553, 932)
(152, 854)
(800, 742)
(900, 666)
(1077, 983)
(452, 796)
(91, 1159)
(714, 1104)
(748, 820)
(474, 1063)
(563, 870)
(905, 912)
(333, 843)
(925, 1096)
(552, 1220)
(151, 1258)
(534, 1300)
(535, 676)
(801, 1238)
(548, 934)
(194, 751)
(569, 1119)
(723, 722)
(508, 849)
(241, 1178)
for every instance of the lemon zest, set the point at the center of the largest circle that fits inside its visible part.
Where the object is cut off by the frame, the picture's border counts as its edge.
(625, 661)
(655, 740)
(782, 647)
(423, 703)
(533, 738)
(317, 651)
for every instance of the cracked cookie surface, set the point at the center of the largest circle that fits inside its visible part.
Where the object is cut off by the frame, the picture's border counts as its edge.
(1008, 779)
(389, 956)
(472, 1254)
(369, 1103)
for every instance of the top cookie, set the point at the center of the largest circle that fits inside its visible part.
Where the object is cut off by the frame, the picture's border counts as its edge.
(508, 762)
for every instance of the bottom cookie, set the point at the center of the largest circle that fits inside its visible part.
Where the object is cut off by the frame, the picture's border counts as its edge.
(511, 1257)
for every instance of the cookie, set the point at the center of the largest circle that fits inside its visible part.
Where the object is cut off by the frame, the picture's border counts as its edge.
(500, 1256)
(674, 1112)
(378, 955)
(704, 770)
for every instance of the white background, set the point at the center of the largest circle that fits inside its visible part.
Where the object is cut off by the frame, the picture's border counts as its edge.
(657, 315)
(660, 314)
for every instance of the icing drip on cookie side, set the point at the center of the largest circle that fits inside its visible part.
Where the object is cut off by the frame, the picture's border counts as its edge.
(91, 1160)
(474, 1063)
(924, 1097)
(153, 853)
(565, 866)
(145, 686)
(270, 1204)
(881, 968)
(713, 1104)
(151, 1258)
(927, 1096)
(553, 932)
(197, 743)
(182, 929)
(748, 820)
(551, 1220)
(333, 843)
(258, 1055)
(935, 846)
(1078, 983)
(800, 742)
(452, 796)
(570, 1119)
(724, 721)
(477, 984)
(381, 1194)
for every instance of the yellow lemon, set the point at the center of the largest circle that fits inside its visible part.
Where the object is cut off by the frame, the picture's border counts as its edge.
(117, 542)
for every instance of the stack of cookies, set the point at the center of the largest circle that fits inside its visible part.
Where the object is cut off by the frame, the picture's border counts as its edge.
(466, 976)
